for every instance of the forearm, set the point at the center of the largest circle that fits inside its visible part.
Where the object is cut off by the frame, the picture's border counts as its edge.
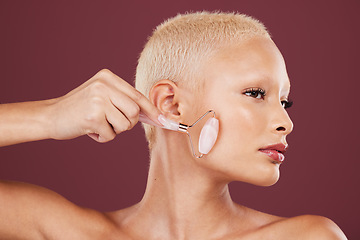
(102, 107)
(24, 122)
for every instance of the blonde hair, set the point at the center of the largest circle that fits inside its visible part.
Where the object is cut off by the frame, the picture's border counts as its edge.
(181, 45)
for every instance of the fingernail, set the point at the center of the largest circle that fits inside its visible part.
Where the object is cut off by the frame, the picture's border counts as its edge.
(168, 124)
(145, 119)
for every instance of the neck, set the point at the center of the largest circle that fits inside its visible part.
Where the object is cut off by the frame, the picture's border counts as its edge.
(182, 199)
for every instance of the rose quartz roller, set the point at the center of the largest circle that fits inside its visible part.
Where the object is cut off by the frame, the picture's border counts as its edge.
(208, 133)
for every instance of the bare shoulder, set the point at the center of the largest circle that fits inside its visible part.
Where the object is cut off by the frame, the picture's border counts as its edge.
(41, 213)
(304, 227)
(308, 227)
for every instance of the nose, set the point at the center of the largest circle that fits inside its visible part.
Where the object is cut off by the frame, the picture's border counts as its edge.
(282, 122)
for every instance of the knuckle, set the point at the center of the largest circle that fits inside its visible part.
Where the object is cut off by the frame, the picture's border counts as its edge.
(125, 125)
(96, 104)
(131, 126)
(134, 112)
(104, 139)
(111, 136)
(104, 73)
(118, 131)
(98, 87)
(92, 122)
(119, 128)
(93, 119)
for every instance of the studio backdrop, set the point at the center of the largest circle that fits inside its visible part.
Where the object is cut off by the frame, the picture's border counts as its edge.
(48, 48)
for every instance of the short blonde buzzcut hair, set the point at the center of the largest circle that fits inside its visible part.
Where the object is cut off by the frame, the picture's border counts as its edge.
(181, 45)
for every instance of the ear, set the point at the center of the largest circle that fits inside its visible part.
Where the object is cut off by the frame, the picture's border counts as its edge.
(164, 95)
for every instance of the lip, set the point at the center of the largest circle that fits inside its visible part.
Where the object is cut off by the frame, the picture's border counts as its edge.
(275, 152)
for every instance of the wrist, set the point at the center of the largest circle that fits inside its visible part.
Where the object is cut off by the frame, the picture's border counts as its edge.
(48, 118)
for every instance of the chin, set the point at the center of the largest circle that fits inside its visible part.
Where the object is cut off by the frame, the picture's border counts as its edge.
(268, 179)
(267, 183)
(257, 172)
(263, 177)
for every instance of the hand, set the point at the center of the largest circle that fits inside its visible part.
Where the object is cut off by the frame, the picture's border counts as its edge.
(102, 107)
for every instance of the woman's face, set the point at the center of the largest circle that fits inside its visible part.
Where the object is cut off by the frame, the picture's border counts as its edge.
(247, 85)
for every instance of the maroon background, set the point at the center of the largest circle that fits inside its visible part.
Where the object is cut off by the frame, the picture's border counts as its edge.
(47, 49)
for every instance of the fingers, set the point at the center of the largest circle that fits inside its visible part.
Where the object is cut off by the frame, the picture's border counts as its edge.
(105, 120)
(121, 106)
(103, 133)
(118, 121)
(146, 107)
(145, 119)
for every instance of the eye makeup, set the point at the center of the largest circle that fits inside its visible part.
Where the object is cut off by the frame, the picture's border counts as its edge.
(260, 93)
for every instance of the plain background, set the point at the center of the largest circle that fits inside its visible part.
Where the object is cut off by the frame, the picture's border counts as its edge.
(47, 48)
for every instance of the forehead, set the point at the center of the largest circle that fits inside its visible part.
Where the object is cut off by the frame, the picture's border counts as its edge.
(253, 61)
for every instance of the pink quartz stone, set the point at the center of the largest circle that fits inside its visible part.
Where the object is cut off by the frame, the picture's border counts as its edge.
(208, 135)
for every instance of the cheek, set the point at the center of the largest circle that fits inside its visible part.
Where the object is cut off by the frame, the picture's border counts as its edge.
(238, 139)
(241, 125)
(237, 144)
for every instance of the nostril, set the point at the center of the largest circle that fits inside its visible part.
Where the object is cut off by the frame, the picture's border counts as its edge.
(280, 129)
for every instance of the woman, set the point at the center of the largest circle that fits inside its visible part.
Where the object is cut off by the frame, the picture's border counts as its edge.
(192, 63)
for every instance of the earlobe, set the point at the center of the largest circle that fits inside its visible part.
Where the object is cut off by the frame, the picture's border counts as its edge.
(163, 96)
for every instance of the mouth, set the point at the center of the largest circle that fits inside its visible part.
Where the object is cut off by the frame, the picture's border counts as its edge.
(275, 155)
(275, 152)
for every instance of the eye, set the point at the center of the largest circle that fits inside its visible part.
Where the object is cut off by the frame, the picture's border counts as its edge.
(286, 103)
(255, 93)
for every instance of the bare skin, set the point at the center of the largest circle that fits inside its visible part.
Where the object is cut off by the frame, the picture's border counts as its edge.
(185, 198)
(102, 107)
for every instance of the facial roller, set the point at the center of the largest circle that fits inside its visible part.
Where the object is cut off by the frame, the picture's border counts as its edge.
(208, 134)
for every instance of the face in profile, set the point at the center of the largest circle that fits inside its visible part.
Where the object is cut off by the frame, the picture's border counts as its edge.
(247, 85)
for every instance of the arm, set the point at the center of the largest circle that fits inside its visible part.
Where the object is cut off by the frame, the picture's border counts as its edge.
(102, 107)
(23, 122)
(32, 212)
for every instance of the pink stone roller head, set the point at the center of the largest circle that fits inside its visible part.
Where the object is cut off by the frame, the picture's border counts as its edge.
(208, 135)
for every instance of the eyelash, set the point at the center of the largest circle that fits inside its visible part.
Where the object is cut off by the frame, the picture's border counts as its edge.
(256, 91)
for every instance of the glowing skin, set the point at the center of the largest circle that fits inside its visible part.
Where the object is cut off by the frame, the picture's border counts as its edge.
(185, 197)
(247, 123)
(180, 185)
